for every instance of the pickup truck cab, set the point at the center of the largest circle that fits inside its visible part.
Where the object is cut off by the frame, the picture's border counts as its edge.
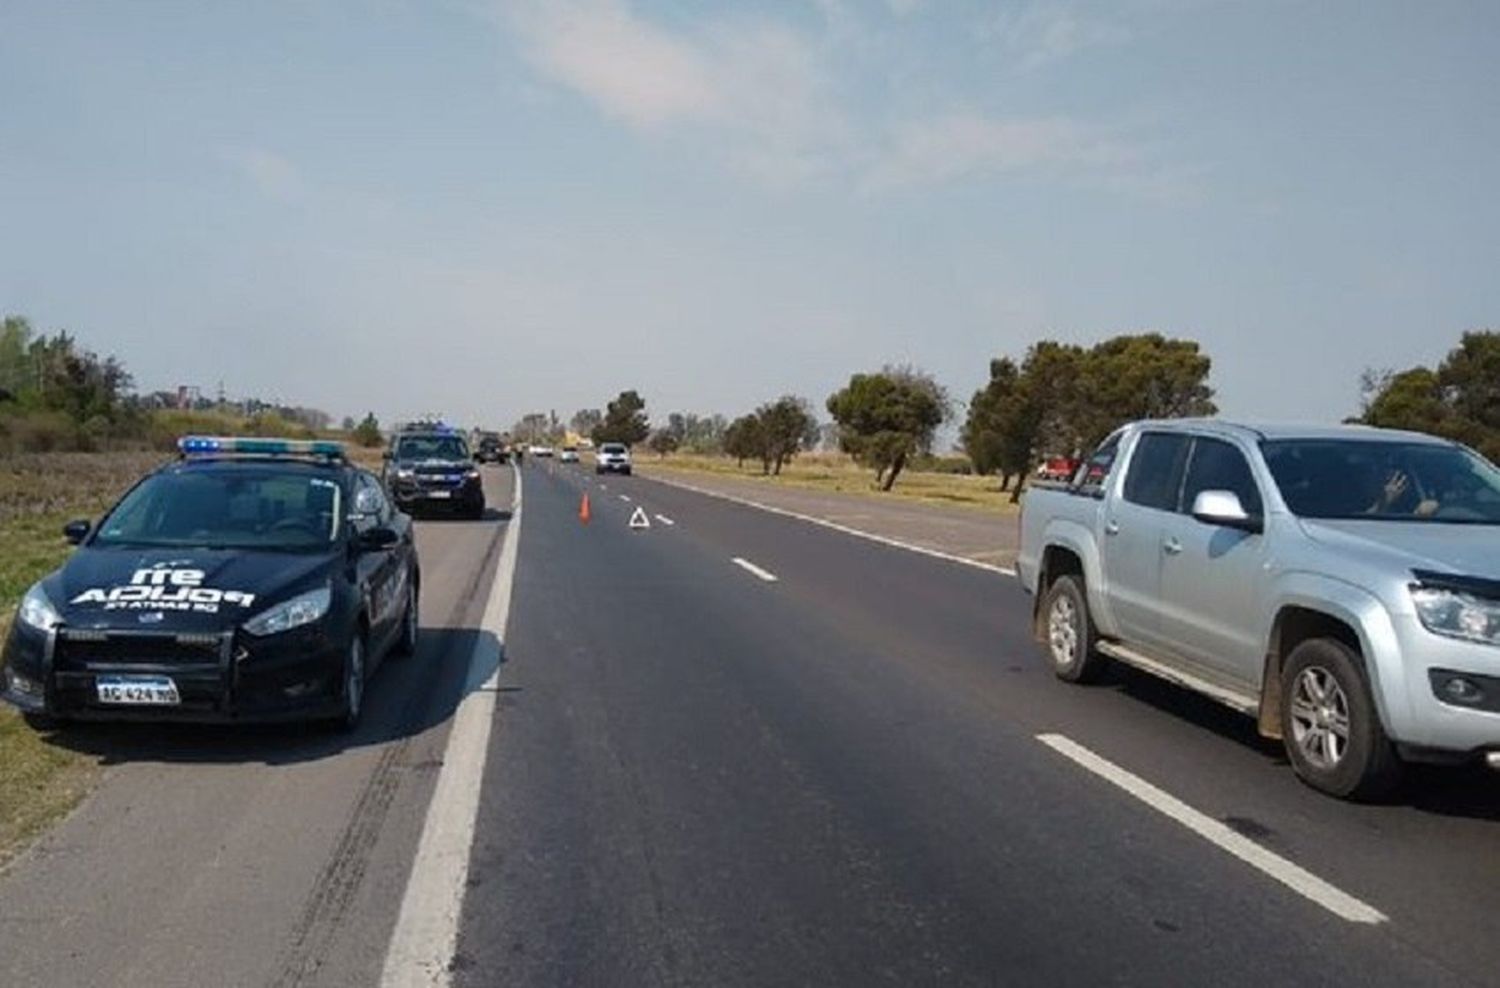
(1341, 585)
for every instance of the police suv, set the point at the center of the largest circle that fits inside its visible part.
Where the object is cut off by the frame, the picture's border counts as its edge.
(433, 470)
(251, 579)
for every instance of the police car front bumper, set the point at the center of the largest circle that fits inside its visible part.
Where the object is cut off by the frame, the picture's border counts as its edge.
(231, 677)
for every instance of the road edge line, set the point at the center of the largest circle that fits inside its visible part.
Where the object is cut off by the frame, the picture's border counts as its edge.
(835, 526)
(425, 938)
(1269, 863)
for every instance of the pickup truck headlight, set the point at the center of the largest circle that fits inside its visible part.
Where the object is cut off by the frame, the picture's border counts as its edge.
(1457, 614)
(302, 609)
(36, 610)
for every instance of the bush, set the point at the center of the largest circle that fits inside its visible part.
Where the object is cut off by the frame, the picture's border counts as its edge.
(36, 432)
(955, 464)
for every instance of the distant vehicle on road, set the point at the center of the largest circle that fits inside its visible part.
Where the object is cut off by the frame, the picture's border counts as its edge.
(569, 454)
(1058, 468)
(538, 449)
(1341, 585)
(491, 450)
(254, 579)
(433, 471)
(612, 458)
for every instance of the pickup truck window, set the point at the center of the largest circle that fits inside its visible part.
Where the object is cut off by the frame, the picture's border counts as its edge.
(1218, 466)
(1154, 476)
(1091, 477)
(1387, 481)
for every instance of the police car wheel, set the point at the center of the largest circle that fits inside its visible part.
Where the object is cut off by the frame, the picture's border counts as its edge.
(354, 685)
(406, 641)
(40, 722)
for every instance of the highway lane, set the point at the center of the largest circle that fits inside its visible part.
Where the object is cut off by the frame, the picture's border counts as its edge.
(254, 856)
(699, 776)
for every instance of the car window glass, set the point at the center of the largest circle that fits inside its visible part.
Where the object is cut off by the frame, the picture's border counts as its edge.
(1155, 472)
(1219, 466)
(1094, 473)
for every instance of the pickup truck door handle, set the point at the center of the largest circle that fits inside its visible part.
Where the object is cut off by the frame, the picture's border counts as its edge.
(1111, 528)
(1172, 547)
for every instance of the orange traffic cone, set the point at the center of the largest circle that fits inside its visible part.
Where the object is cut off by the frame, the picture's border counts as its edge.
(583, 509)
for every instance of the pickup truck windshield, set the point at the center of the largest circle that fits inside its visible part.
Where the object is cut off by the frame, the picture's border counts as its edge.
(1388, 481)
(233, 509)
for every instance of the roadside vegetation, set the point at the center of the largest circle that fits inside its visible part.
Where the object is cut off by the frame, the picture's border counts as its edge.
(39, 493)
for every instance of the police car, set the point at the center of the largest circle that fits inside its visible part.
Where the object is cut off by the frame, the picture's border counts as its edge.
(251, 579)
(433, 470)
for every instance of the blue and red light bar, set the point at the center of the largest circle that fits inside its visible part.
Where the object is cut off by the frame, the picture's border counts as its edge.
(229, 446)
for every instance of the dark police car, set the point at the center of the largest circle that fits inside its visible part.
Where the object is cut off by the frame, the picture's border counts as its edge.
(433, 470)
(253, 579)
(490, 450)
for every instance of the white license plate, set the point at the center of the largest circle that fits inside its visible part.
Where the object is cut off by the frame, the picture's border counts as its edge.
(439, 493)
(137, 691)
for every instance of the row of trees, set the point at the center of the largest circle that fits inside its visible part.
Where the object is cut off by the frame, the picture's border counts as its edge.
(1459, 399)
(1064, 398)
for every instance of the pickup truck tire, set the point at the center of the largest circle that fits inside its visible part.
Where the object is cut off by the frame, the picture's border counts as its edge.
(1330, 726)
(1068, 632)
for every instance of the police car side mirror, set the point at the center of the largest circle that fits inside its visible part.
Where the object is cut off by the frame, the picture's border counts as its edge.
(76, 531)
(377, 539)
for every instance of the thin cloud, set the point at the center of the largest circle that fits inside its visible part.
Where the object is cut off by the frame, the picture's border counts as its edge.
(967, 144)
(271, 174)
(1039, 34)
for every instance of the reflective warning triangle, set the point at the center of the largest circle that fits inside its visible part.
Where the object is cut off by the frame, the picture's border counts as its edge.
(639, 519)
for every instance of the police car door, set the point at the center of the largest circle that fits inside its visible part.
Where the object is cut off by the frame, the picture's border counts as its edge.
(380, 570)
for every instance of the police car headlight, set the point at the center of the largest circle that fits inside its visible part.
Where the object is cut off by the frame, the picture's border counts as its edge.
(37, 611)
(302, 609)
(472, 475)
(404, 474)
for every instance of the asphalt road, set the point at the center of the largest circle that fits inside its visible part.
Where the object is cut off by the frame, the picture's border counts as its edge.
(819, 764)
(698, 777)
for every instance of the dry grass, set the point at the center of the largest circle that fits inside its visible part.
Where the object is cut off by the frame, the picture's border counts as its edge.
(837, 473)
(40, 782)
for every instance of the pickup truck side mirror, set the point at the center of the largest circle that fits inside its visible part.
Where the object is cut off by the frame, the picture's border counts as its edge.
(1223, 508)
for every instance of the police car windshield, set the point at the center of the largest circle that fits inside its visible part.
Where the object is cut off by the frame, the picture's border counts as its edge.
(234, 508)
(431, 448)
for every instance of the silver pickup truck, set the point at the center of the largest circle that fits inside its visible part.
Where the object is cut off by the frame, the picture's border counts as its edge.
(1341, 585)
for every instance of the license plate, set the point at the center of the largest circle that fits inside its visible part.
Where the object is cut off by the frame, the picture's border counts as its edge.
(439, 494)
(137, 691)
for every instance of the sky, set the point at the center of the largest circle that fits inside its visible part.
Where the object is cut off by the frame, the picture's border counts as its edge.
(479, 209)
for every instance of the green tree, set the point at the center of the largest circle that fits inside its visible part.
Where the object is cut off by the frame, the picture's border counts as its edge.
(1000, 432)
(784, 427)
(1458, 400)
(742, 438)
(662, 442)
(1142, 376)
(367, 433)
(888, 417)
(624, 421)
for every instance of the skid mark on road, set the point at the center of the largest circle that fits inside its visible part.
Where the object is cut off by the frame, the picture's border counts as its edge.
(1294, 877)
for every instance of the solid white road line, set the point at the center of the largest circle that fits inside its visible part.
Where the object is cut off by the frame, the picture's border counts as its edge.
(753, 569)
(814, 520)
(426, 934)
(665, 520)
(1294, 877)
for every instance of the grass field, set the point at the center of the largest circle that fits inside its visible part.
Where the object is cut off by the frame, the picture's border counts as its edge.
(838, 473)
(38, 494)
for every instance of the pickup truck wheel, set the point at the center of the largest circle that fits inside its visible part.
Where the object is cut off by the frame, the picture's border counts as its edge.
(1329, 724)
(1070, 632)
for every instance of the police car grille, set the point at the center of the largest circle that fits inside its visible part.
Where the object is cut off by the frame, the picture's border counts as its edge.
(83, 649)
